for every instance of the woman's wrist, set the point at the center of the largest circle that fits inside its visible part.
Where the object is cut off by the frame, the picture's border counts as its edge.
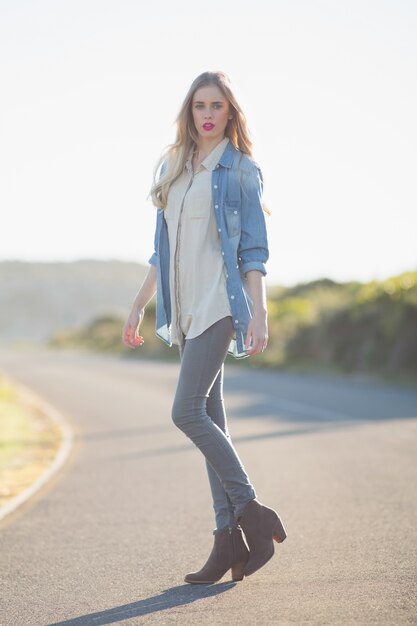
(137, 307)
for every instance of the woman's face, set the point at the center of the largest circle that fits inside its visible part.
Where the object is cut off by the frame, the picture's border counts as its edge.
(211, 110)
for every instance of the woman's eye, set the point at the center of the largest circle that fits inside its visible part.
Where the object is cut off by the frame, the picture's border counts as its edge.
(217, 105)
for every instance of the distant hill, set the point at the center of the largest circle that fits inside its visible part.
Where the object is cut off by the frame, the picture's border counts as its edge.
(39, 299)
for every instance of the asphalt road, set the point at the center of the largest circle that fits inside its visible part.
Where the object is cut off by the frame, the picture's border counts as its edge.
(111, 537)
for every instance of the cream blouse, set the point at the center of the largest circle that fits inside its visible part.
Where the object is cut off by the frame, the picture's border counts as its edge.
(197, 273)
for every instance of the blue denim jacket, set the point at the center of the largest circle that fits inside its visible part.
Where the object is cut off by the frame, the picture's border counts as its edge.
(237, 187)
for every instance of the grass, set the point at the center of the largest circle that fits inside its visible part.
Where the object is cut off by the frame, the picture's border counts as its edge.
(29, 441)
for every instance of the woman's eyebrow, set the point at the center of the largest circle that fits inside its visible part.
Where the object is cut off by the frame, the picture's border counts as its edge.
(214, 102)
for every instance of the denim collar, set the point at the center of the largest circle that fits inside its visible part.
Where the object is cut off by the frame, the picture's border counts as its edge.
(229, 154)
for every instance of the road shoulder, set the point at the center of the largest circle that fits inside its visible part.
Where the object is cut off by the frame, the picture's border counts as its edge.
(36, 441)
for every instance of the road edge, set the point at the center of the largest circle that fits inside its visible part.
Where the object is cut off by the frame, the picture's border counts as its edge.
(60, 458)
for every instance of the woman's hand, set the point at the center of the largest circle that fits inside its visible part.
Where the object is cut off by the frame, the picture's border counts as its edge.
(257, 335)
(130, 335)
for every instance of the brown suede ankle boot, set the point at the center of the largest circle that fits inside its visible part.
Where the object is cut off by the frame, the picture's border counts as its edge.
(229, 552)
(261, 526)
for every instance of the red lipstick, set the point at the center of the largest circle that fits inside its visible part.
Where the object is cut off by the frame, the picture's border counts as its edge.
(208, 126)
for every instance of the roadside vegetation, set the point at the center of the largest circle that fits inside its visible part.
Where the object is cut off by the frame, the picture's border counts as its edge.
(320, 325)
(28, 441)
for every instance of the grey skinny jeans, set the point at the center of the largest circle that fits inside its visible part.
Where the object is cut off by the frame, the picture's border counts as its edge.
(198, 410)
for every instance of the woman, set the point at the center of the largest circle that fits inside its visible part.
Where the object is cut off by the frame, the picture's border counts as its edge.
(208, 272)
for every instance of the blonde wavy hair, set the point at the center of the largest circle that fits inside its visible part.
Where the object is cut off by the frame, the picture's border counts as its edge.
(175, 155)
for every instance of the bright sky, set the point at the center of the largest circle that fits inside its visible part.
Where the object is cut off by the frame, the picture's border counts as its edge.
(91, 88)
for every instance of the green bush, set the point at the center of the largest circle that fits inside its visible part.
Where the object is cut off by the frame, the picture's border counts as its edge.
(322, 324)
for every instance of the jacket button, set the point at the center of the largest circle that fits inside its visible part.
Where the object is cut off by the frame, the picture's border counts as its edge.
(215, 186)
(222, 253)
(232, 297)
(236, 321)
(235, 212)
(220, 230)
(216, 206)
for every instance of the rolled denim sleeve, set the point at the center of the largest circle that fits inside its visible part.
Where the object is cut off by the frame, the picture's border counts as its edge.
(253, 250)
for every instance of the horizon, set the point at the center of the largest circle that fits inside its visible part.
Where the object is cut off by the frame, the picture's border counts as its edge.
(144, 265)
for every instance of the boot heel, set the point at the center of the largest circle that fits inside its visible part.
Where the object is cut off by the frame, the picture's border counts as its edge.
(278, 532)
(238, 571)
